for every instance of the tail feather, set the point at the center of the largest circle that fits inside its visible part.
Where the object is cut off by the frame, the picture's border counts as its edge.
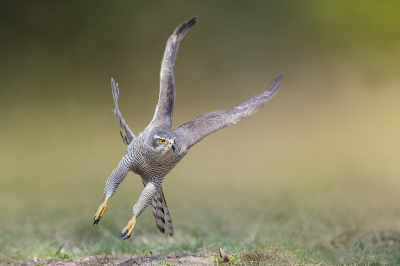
(167, 217)
(161, 213)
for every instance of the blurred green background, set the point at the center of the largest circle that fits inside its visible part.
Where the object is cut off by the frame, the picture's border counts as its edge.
(321, 159)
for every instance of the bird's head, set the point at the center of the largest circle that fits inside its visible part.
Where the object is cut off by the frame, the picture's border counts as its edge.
(163, 142)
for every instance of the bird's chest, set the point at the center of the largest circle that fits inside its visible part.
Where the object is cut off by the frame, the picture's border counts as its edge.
(141, 166)
(147, 163)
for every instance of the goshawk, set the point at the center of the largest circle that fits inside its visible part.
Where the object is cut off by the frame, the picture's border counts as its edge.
(156, 151)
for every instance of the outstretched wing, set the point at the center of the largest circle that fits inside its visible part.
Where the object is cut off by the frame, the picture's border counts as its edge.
(166, 101)
(161, 213)
(192, 132)
(128, 136)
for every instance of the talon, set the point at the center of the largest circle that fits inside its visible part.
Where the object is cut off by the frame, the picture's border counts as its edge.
(100, 212)
(129, 228)
(96, 221)
(122, 234)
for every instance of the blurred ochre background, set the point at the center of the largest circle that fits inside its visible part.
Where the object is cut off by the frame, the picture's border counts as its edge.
(330, 135)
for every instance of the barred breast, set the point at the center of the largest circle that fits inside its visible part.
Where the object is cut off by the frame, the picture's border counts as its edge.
(147, 163)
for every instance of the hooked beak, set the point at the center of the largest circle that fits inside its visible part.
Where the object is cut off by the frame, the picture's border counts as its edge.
(171, 145)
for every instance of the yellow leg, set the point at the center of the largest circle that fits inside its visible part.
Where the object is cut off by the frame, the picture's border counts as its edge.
(100, 212)
(129, 228)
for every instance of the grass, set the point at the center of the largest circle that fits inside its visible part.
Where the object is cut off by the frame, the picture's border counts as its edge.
(307, 232)
(258, 210)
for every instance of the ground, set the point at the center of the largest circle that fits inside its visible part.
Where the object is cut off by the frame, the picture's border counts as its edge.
(180, 259)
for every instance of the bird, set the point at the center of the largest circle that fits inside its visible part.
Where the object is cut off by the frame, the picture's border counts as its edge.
(223, 255)
(157, 150)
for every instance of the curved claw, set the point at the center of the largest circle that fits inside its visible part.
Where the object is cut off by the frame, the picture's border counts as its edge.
(123, 233)
(96, 221)
(129, 228)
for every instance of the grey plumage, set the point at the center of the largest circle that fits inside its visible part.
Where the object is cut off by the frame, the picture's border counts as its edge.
(128, 136)
(163, 115)
(206, 124)
(156, 151)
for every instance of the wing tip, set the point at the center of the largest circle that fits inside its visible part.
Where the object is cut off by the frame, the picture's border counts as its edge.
(274, 87)
(189, 23)
(185, 27)
(278, 79)
(192, 21)
(277, 82)
(115, 91)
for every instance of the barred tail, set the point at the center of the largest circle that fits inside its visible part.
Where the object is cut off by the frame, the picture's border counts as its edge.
(161, 213)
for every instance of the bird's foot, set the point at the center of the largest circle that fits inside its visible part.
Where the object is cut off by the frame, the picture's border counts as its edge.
(100, 212)
(129, 228)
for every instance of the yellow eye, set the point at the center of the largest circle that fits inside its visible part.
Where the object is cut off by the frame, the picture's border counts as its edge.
(162, 141)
